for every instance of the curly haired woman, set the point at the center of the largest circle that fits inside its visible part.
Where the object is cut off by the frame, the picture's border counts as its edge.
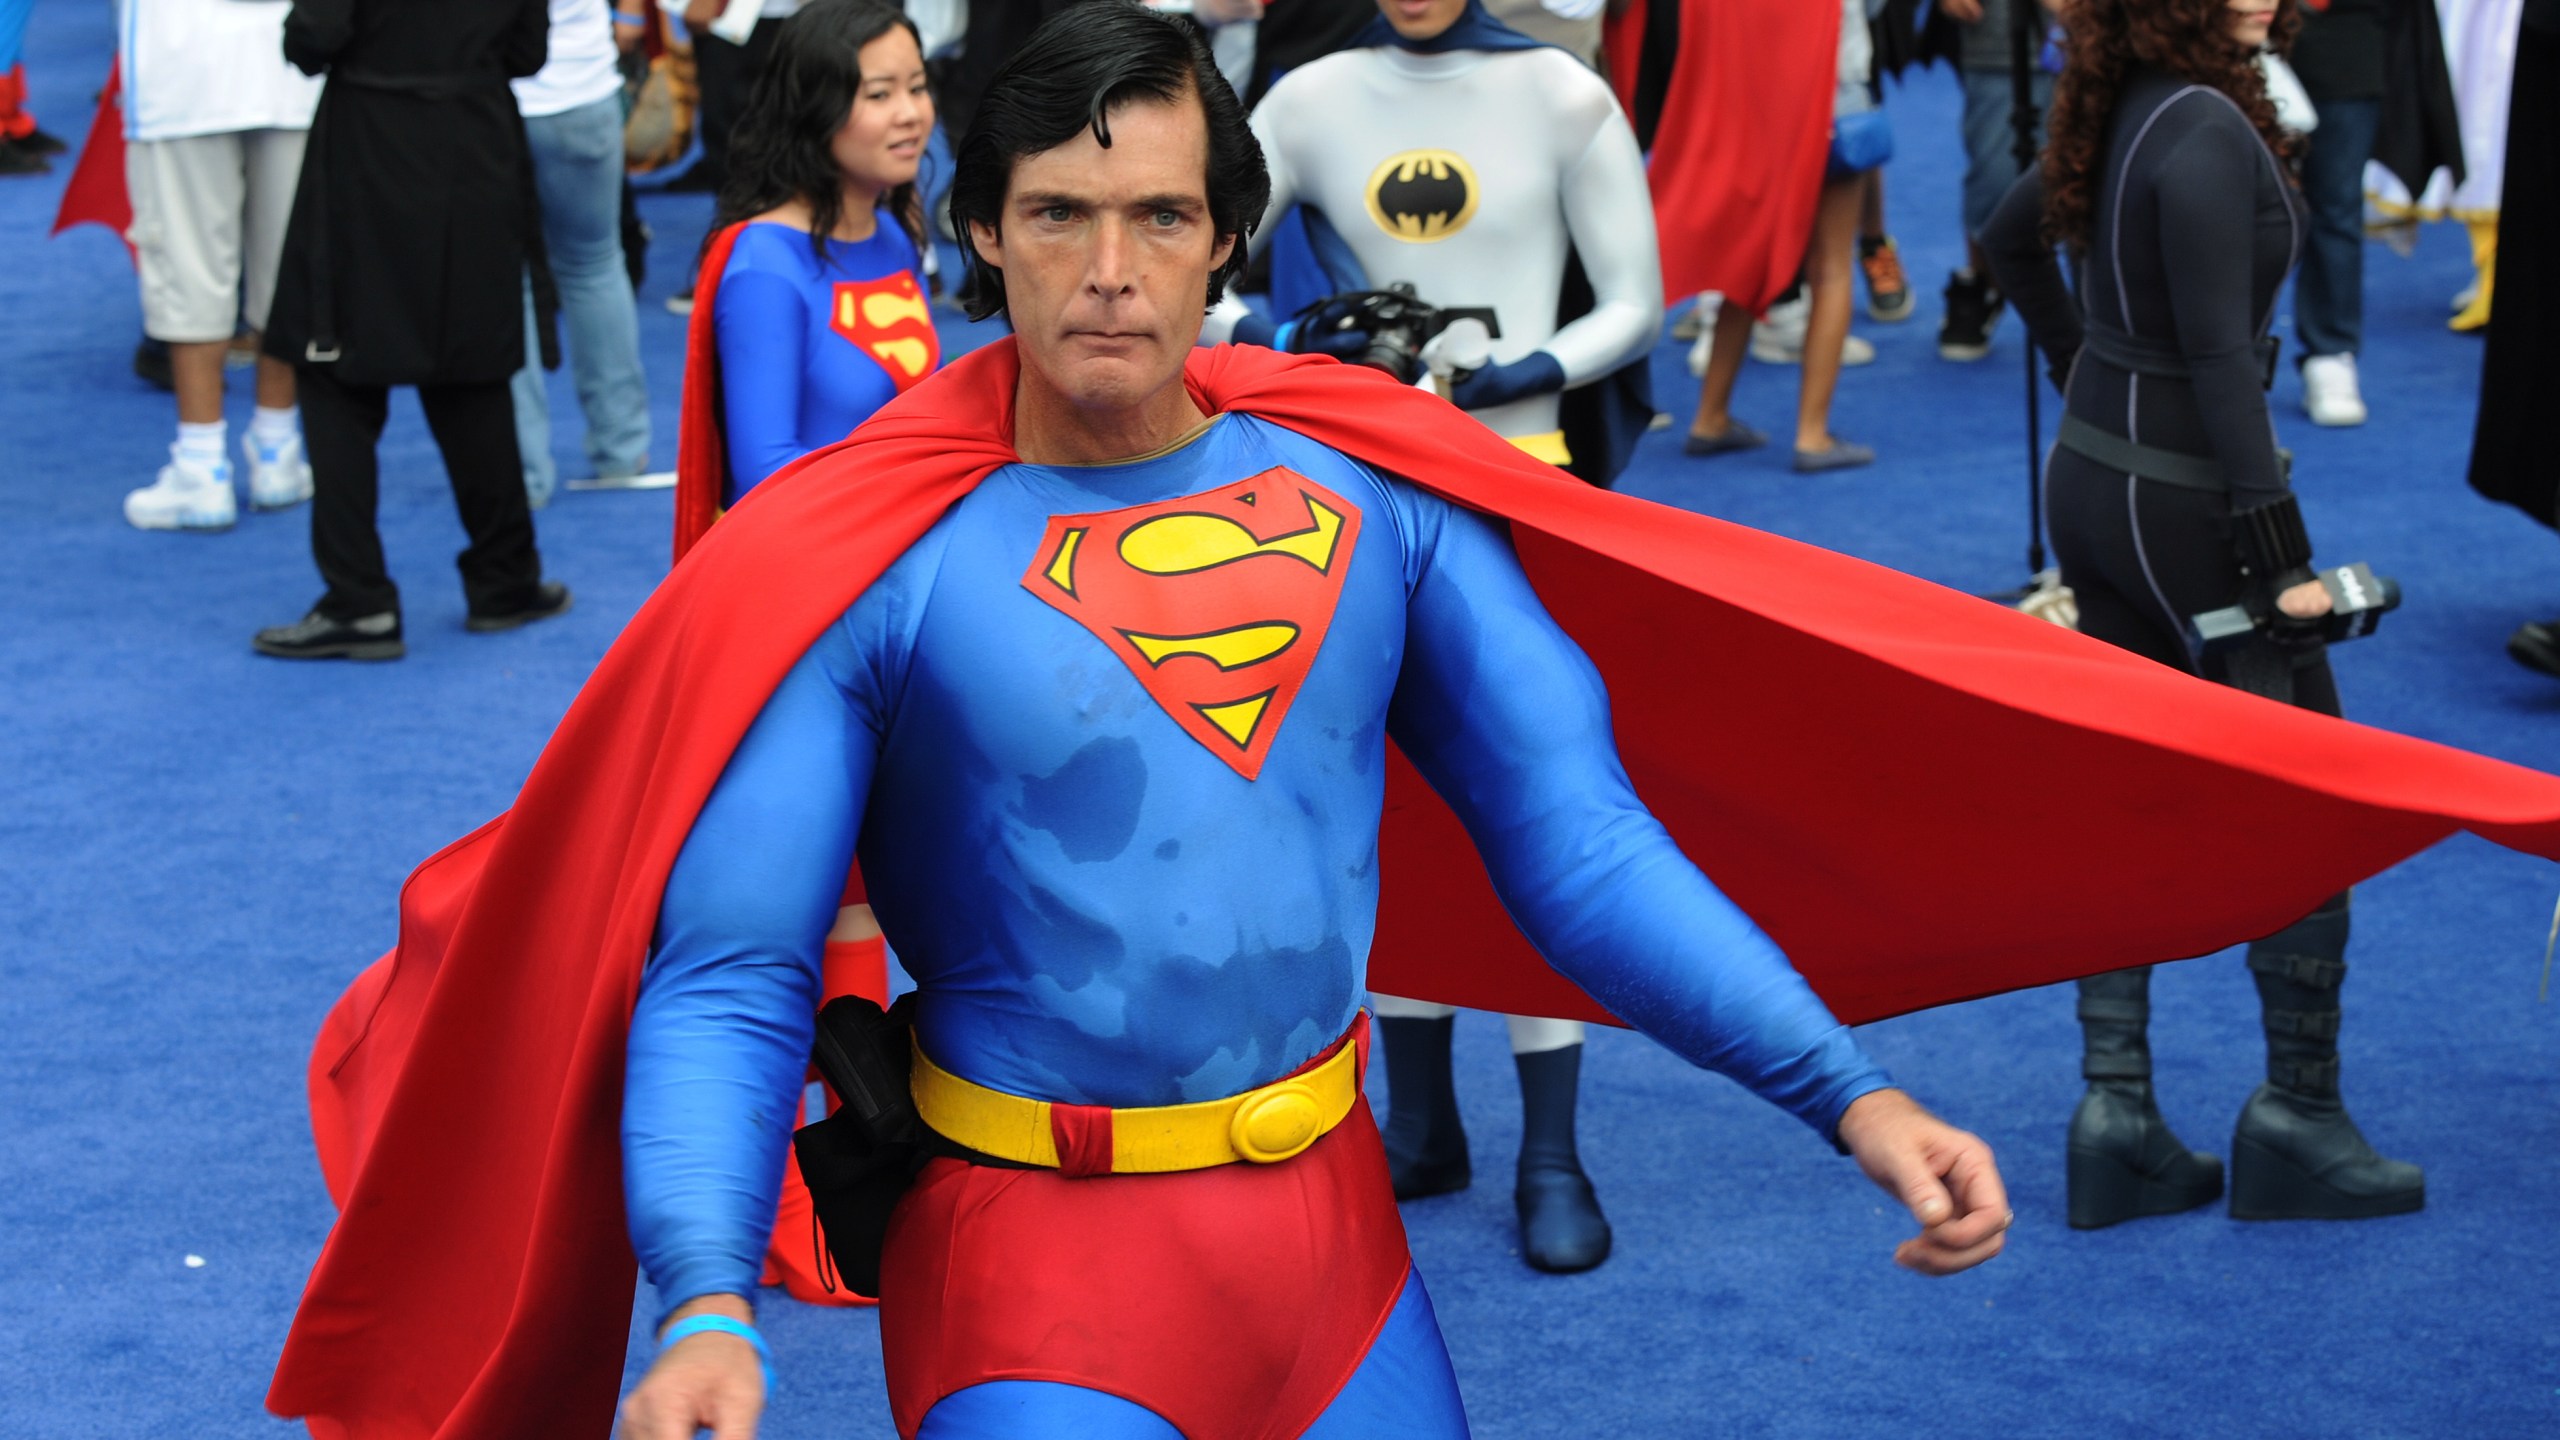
(2167, 179)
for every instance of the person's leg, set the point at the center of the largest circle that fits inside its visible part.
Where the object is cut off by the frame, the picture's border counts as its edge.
(2328, 294)
(1405, 1385)
(1972, 302)
(195, 369)
(720, 72)
(341, 424)
(279, 469)
(187, 196)
(1562, 1229)
(1715, 420)
(2328, 288)
(1827, 270)
(2296, 1154)
(474, 426)
(1040, 1410)
(2124, 1161)
(529, 393)
(1426, 1142)
(579, 170)
(1879, 260)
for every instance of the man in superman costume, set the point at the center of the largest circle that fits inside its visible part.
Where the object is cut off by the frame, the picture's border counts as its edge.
(1093, 649)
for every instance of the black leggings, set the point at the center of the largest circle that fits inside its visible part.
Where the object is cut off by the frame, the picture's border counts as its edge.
(475, 427)
(2141, 557)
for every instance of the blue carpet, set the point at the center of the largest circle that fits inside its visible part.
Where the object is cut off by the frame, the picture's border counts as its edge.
(198, 848)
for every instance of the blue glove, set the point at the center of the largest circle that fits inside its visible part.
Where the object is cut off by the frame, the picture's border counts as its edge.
(1536, 373)
(1257, 329)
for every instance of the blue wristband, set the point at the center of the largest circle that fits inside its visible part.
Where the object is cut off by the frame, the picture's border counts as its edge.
(693, 1325)
(626, 17)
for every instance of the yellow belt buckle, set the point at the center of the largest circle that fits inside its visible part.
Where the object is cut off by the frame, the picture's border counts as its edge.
(1276, 1122)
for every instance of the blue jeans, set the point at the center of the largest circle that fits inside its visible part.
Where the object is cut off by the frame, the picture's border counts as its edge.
(577, 169)
(2328, 291)
(1991, 157)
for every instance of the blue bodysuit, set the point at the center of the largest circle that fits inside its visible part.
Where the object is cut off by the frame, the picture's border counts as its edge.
(1113, 889)
(808, 350)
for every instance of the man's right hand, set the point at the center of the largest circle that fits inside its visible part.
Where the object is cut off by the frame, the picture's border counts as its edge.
(710, 1381)
(1963, 12)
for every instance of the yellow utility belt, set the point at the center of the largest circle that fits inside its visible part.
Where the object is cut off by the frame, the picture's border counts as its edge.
(1264, 1125)
(1549, 447)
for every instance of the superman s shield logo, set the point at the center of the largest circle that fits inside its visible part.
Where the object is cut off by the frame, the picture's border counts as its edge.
(888, 320)
(1217, 602)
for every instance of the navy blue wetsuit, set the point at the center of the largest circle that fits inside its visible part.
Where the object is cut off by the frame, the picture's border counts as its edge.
(1097, 904)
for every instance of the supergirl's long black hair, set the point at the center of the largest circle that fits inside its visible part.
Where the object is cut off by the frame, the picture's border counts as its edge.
(779, 151)
(1072, 72)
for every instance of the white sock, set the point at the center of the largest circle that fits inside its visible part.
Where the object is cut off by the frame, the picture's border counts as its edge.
(201, 445)
(271, 428)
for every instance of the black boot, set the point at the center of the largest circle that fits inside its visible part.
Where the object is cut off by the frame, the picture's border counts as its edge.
(2125, 1162)
(1426, 1146)
(1561, 1228)
(2296, 1155)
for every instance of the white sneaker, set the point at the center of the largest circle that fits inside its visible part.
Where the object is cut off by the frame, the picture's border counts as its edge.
(1702, 340)
(2329, 393)
(278, 477)
(1780, 348)
(185, 497)
(1777, 338)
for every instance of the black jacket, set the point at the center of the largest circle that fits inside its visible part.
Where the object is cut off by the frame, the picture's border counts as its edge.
(406, 257)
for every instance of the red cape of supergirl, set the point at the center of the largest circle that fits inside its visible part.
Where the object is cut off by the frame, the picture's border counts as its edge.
(1869, 764)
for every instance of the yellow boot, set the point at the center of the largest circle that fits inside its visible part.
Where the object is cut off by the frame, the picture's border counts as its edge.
(2484, 258)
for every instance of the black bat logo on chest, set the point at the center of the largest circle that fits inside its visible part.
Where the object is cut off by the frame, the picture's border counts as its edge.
(1423, 195)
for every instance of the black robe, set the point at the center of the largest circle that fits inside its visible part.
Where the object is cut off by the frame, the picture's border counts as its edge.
(2512, 455)
(405, 260)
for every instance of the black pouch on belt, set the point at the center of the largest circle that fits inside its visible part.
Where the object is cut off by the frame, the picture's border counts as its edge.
(861, 1159)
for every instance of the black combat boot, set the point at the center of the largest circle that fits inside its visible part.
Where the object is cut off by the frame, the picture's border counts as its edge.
(2296, 1155)
(2125, 1162)
(1426, 1146)
(1561, 1228)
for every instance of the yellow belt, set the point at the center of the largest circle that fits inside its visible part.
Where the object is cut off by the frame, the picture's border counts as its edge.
(1549, 447)
(1264, 1125)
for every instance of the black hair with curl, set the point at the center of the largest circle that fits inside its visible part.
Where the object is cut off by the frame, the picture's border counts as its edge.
(1082, 64)
(782, 148)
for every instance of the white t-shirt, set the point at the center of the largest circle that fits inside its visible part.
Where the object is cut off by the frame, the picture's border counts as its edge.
(207, 67)
(579, 69)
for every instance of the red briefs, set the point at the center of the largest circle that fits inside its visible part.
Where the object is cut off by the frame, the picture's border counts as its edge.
(1233, 1301)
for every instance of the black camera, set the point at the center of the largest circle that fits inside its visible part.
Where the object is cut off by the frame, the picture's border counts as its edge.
(1395, 324)
(2358, 599)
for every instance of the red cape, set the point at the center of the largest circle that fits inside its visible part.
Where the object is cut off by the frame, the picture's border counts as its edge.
(702, 453)
(95, 193)
(1739, 153)
(1868, 763)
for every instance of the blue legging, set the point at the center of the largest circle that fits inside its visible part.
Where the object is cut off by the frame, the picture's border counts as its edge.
(1404, 1387)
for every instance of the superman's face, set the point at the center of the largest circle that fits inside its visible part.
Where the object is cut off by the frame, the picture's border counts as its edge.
(1106, 253)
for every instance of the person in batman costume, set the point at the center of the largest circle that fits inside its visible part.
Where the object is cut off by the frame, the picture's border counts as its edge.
(1160, 788)
(1463, 158)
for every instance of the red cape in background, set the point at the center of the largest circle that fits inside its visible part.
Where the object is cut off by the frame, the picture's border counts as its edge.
(1738, 155)
(702, 453)
(95, 193)
(1868, 763)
